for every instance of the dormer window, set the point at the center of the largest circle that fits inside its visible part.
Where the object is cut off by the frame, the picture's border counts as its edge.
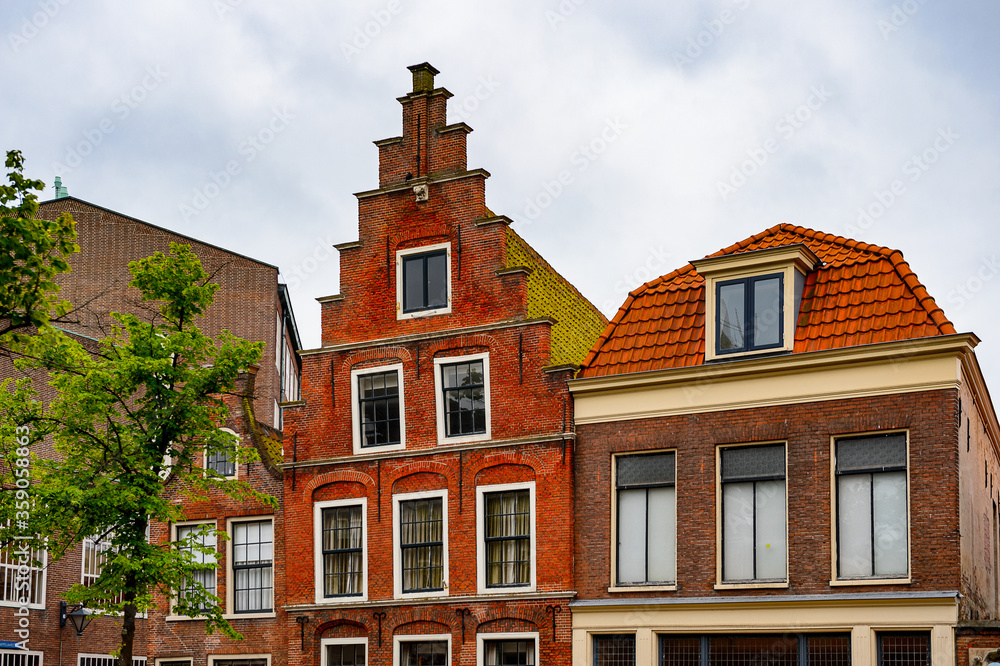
(748, 314)
(423, 281)
(752, 300)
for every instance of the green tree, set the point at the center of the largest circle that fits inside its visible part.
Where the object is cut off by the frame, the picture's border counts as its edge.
(32, 253)
(131, 418)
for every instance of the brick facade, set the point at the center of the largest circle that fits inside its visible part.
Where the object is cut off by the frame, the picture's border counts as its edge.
(493, 313)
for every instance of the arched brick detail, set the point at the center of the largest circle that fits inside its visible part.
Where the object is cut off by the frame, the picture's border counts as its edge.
(506, 625)
(395, 353)
(535, 616)
(418, 466)
(427, 234)
(343, 623)
(474, 340)
(423, 625)
(506, 456)
(527, 470)
(339, 476)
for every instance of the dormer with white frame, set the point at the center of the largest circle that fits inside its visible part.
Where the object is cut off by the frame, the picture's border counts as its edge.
(746, 300)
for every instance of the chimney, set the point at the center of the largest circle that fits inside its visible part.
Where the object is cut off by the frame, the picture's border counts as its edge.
(61, 191)
(423, 77)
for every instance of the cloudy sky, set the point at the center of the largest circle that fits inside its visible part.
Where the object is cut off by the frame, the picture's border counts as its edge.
(624, 138)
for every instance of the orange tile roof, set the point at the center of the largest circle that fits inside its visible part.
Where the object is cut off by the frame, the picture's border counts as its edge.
(860, 294)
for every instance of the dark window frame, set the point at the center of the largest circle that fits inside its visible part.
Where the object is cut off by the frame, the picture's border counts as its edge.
(422, 257)
(748, 314)
(446, 390)
(246, 566)
(342, 646)
(407, 659)
(700, 653)
(364, 401)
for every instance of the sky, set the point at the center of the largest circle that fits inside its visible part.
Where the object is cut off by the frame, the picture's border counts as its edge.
(623, 138)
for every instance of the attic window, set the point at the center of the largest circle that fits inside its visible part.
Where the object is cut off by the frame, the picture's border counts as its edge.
(748, 314)
(752, 300)
(422, 281)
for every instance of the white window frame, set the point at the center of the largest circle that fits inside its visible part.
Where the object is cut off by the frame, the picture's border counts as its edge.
(231, 613)
(212, 658)
(9, 564)
(514, 636)
(614, 585)
(173, 537)
(324, 642)
(87, 579)
(440, 403)
(721, 582)
(419, 638)
(236, 465)
(356, 409)
(835, 579)
(397, 549)
(318, 569)
(107, 659)
(24, 653)
(425, 249)
(481, 492)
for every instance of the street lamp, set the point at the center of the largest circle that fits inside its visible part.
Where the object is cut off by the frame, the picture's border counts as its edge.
(78, 614)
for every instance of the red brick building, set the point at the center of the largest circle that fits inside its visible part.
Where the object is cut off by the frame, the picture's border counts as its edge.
(429, 465)
(251, 304)
(785, 453)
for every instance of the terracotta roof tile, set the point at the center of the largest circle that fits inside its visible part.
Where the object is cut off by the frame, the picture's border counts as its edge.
(860, 294)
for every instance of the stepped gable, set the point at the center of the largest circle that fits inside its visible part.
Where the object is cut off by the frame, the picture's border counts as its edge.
(860, 294)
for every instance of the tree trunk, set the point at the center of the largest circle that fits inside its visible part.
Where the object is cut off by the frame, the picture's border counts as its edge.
(128, 629)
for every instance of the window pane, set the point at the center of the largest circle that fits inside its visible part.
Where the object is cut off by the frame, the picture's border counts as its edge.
(854, 527)
(413, 283)
(509, 653)
(830, 650)
(644, 469)
(772, 650)
(737, 531)
(429, 653)
(753, 462)
(767, 312)
(437, 280)
(771, 529)
(904, 650)
(348, 654)
(614, 650)
(661, 530)
(680, 651)
(632, 536)
(871, 454)
(889, 515)
(731, 317)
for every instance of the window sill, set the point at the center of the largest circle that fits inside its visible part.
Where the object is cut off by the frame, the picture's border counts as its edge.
(367, 450)
(752, 585)
(341, 599)
(462, 439)
(423, 313)
(870, 581)
(249, 616)
(506, 591)
(421, 595)
(642, 588)
(182, 618)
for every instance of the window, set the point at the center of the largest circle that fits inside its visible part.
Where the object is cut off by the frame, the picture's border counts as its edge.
(221, 462)
(748, 314)
(904, 649)
(421, 558)
(423, 651)
(105, 660)
(423, 281)
(20, 587)
(753, 513)
(872, 533)
(341, 561)
(343, 651)
(645, 514)
(772, 649)
(463, 398)
(614, 650)
(240, 660)
(378, 408)
(252, 557)
(506, 543)
(507, 649)
(95, 556)
(20, 658)
(173, 662)
(189, 537)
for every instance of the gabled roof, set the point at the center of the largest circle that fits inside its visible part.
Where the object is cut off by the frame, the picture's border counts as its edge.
(860, 294)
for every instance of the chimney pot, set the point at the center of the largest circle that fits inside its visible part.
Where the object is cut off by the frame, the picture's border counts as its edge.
(423, 77)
